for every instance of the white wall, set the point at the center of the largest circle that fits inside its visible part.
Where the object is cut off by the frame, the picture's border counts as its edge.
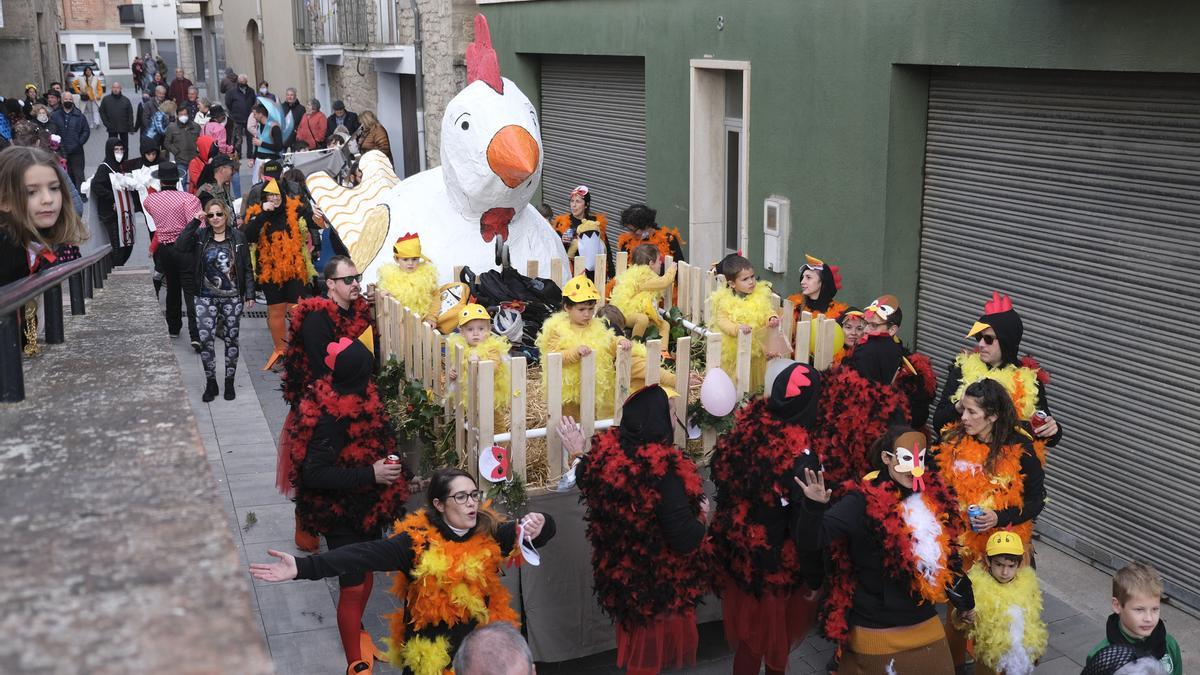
(161, 20)
(70, 41)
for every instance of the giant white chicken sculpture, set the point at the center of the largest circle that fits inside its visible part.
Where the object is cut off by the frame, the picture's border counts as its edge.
(491, 154)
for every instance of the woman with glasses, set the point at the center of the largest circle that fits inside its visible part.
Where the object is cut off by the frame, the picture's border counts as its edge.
(447, 558)
(997, 357)
(222, 283)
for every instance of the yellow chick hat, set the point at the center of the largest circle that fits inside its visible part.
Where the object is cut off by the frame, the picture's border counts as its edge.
(587, 226)
(472, 312)
(408, 246)
(1005, 543)
(271, 188)
(581, 289)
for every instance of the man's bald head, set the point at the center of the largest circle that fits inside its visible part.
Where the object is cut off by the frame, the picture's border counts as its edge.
(494, 649)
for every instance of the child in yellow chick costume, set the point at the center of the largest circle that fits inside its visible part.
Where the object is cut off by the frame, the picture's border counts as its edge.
(743, 305)
(1007, 630)
(639, 288)
(478, 343)
(575, 332)
(412, 279)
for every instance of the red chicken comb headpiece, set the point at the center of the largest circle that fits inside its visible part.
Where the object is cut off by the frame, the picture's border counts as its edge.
(482, 63)
(335, 348)
(998, 303)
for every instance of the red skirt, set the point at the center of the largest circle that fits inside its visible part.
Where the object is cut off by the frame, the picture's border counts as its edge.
(669, 641)
(770, 625)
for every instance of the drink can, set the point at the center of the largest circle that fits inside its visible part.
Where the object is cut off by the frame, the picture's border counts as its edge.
(974, 511)
(392, 459)
(1039, 419)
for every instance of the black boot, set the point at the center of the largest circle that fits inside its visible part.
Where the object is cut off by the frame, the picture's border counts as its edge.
(210, 390)
(230, 394)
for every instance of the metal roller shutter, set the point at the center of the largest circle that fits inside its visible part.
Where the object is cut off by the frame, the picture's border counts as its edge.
(594, 133)
(1079, 195)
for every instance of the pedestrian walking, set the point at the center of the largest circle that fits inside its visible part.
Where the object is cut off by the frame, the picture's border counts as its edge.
(313, 127)
(88, 90)
(341, 118)
(180, 142)
(178, 91)
(73, 130)
(139, 73)
(239, 101)
(114, 206)
(171, 211)
(116, 113)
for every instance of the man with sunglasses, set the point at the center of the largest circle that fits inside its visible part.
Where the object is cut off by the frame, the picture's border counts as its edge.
(997, 356)
(317, 322)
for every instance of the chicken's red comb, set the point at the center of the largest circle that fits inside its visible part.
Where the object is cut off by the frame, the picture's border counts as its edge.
(999, 303)
(837, 276)
(335, 348)
(482, 63)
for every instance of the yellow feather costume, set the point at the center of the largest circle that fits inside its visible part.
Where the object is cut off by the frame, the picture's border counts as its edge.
(630, 295)
(560, 335)
(731, 310)
(1008, 631)
(1019, 381)
(417, 290)
(493, 348)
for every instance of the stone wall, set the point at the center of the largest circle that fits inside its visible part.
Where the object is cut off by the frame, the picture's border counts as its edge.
(355, 82)
(27, 56)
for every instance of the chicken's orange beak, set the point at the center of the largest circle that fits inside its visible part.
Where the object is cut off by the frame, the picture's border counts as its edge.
(513, 155)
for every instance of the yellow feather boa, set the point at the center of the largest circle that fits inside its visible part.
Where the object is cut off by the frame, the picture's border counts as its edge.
(493, 348)
(752, 310)
(416, 290)
(1019, 381)
(628, 294)
(559, 334)
(997, 605)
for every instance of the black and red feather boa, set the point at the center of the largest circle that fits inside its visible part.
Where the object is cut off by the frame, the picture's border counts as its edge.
(854, 412)
(298, 375)
(751, 468)
(637, 576)
(884, 516)
(367, 507)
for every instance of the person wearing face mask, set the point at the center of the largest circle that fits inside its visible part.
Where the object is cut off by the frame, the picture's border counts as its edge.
(888, 540)
(74, 131)
(116, 114)
(114, 207)
(447, 559)
(40, 115)
(997, 356)
(992, 463)
(180, 142)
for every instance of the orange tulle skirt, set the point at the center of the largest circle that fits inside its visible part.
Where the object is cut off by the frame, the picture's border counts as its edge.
(669, 641)
(770, 625)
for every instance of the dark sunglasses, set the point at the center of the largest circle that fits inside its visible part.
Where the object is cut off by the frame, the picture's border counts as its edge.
(349, 279)
(988, 340)
(209, 216)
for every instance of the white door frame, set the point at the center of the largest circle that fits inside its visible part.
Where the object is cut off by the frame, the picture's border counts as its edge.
(706, 149)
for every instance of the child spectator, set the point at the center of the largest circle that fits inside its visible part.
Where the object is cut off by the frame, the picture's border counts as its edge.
(479, 343)
(413, 279)
(615, 320)
(575, 332)
(1008, 608)
(742, 306)
(638, 289)
(1137, 593)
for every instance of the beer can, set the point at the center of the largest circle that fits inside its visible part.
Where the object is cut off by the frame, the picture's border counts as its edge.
(392, 459)
(1039, 419)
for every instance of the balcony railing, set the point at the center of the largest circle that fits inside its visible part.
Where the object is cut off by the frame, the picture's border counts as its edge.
(361, 24)
(131, 15)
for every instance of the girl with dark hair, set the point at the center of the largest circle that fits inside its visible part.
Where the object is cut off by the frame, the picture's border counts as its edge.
(36, 232)
(438, 553)
(888, 539)
(642, 228)
(646, 524)
(567, 224)
(819, 282)
(742, 305)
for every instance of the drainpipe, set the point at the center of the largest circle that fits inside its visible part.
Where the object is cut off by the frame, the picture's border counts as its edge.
(420, 74)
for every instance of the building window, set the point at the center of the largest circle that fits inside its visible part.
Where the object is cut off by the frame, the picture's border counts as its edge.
(118, 55)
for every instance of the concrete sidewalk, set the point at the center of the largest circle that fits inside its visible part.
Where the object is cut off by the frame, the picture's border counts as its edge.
(297, 619)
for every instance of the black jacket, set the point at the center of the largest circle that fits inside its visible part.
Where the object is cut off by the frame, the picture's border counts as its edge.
(296, 110)
(116, 113)
(350, 122)
(238, 102)
(101, 189)
(194, 239)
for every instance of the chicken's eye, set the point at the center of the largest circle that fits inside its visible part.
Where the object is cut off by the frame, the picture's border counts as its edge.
(465, 125)
(463, 121)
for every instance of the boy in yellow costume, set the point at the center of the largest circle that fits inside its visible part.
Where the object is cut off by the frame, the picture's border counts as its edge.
(478, 343)
(639, 288)
(743, 305)
(575, 332)
(413, 279)
(1007, 628)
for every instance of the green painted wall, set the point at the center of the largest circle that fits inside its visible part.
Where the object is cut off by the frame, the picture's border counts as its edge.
(838, 96)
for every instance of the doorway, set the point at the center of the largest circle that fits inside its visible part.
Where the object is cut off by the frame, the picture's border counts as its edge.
(718, 213)
(256, 48)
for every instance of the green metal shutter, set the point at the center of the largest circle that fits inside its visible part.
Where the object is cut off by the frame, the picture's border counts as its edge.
(594, 133)
(1079, 195)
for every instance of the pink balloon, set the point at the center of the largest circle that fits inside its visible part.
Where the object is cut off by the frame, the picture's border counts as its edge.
(717, 393)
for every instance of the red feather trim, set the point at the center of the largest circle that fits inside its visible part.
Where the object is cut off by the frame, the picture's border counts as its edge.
(298, 375)
(852, 415)
(637, 576)
(1043, 375)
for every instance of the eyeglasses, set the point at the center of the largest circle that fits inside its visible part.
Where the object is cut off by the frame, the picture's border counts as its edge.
(462, 497)
(210, 216)
(349, 280)
(988, 340)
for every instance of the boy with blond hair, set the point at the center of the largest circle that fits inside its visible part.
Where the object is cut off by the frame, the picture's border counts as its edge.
(1137, 594)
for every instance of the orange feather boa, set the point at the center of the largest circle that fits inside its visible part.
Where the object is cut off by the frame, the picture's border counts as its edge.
(280, 253)
(961, 463)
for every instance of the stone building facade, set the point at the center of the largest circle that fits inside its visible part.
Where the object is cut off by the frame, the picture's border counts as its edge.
(28, 45)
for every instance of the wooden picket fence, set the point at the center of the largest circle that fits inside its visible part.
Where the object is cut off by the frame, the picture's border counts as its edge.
(424, 352)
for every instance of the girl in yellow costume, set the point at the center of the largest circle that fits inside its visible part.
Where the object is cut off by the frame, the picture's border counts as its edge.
(1008, 630)
(413, 279)
(742, 306)
(575, 332)
(447, 559)
(639, 288)
(478, 343)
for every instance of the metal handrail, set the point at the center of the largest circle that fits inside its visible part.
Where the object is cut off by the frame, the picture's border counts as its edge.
(83, 275)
